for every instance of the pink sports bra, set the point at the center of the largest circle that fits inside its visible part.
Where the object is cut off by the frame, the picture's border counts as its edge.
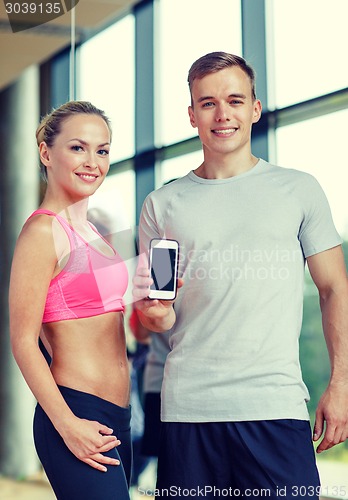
(90, 284)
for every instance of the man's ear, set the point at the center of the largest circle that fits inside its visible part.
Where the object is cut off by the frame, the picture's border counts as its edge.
(192, 117)
(44, 154)
(257, 111)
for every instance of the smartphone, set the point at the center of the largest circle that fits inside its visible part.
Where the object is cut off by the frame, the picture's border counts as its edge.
(164, 257)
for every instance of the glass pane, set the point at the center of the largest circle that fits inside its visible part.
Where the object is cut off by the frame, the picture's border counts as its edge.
(310, 48)
(186, 30)
(112, 211)
(116, 199)
(178, 167)
(318, 146)
(107, 79)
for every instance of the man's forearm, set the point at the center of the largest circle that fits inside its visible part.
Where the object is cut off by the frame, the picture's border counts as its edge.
(334, 307)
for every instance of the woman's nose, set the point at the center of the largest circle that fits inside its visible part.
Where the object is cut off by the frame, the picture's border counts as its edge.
(91, 161)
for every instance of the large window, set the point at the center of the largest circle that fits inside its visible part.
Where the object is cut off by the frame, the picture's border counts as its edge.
(178, 167)
(318, 146)
(106, 78)
(310, 41)
(186, 30)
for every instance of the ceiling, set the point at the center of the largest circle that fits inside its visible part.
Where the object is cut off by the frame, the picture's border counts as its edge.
(20, 48)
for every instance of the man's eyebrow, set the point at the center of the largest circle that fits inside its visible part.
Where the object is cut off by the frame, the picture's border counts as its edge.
(240, 96)
(207, 98)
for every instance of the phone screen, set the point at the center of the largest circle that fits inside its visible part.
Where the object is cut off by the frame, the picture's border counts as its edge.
(163, 269)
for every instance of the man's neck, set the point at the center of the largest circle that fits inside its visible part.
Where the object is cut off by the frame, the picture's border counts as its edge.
(223, 169)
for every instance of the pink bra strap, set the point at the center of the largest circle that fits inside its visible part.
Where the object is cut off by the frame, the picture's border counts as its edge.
(42, 211)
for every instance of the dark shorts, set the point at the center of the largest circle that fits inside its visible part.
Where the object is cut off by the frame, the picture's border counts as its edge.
(152, 424)
(272, 459)
(70, 478)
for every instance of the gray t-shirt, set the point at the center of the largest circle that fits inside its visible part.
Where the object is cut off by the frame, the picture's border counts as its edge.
(155, 360)
(243, 243)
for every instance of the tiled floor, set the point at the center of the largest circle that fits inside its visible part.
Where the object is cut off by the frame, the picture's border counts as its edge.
(38, 488)
(32, 489)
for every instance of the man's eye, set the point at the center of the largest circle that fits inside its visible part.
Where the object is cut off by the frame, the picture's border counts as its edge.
(208, 104)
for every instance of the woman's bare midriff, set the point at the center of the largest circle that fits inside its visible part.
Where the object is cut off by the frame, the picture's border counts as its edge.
(89, 355)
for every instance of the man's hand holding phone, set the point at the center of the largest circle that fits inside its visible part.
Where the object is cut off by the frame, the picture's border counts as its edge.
(164, 261)
(155, 285)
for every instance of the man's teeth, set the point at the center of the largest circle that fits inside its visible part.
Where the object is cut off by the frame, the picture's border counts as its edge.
(226, 131)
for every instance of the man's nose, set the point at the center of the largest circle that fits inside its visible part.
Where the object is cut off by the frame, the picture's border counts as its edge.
(223, 112)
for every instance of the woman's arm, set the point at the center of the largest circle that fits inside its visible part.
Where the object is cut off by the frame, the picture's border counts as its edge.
(34, 264)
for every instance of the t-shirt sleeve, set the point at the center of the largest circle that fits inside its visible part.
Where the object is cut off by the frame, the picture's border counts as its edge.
(148, 226)
(317, 232)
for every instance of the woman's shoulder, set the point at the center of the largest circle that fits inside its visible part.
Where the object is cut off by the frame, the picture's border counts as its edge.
(40, 233)
(35, 247)
(38, 225)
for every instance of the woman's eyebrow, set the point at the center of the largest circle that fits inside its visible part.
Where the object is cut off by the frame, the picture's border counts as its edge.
(86, 143)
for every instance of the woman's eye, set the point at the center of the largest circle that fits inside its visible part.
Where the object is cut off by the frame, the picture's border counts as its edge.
(76, 148)
(103, 152)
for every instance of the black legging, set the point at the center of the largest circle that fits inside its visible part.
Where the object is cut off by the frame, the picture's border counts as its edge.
(72, 479)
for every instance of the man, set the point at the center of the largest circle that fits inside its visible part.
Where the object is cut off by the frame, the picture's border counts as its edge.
(233, 398)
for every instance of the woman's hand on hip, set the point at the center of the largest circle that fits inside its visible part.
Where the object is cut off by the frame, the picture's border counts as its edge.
(88, 440)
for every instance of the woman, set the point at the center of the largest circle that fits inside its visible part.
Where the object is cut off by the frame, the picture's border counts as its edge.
(68, 281)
